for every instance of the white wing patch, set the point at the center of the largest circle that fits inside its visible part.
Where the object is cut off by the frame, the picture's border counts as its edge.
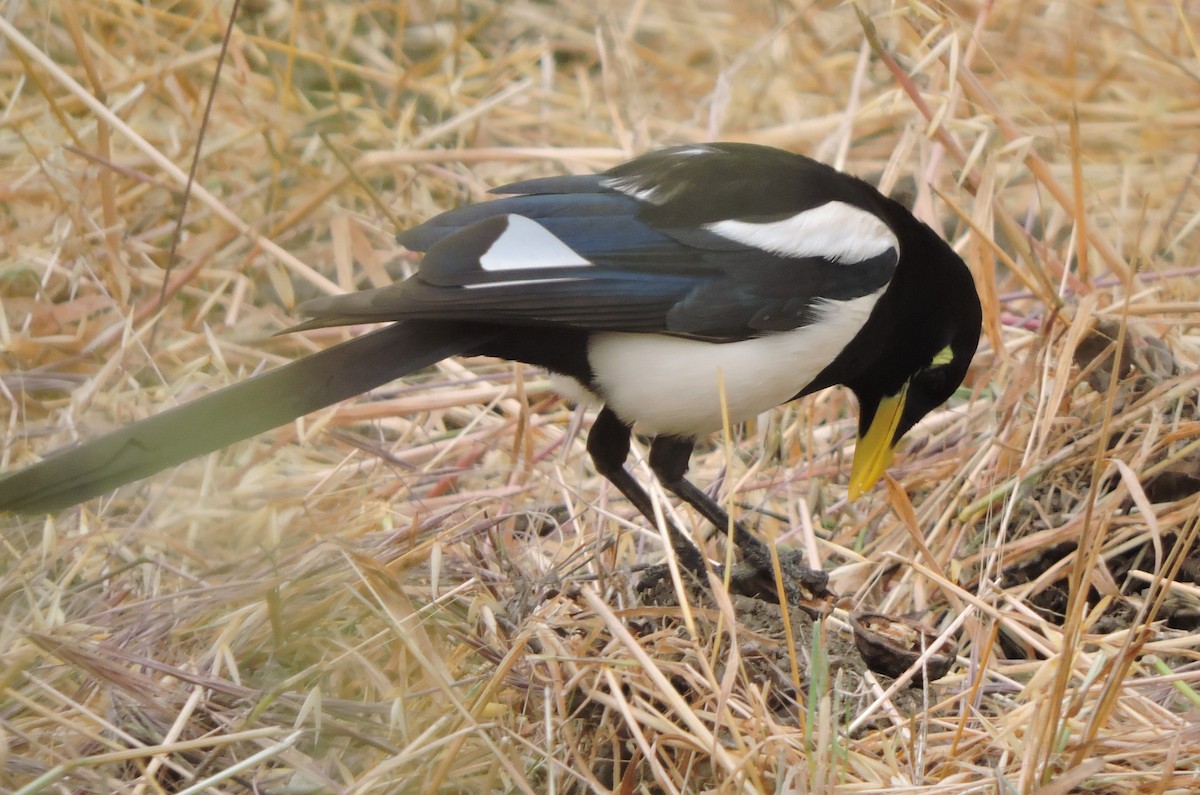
(526, 245)
(837, 231)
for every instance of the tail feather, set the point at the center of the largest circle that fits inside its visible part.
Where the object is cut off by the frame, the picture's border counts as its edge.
(234, 413)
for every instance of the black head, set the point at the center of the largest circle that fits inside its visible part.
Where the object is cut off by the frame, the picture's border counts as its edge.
(914, 351)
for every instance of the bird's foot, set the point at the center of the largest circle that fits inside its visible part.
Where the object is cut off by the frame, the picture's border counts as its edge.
(754, 576)
(804, 587)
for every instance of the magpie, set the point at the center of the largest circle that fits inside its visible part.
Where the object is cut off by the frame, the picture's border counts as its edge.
(687, 284)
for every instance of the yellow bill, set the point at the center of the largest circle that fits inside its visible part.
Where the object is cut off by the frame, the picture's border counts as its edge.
(874, 450)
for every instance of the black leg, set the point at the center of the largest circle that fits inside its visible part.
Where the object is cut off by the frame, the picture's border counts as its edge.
(608, 445)
(669, 456)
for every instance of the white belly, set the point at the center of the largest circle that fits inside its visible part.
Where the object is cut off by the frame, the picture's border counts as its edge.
(669, 385)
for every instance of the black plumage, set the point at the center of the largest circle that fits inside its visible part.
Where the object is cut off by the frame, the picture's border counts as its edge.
(645, 286)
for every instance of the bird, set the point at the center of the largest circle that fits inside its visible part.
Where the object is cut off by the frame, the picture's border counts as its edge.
(687, 284)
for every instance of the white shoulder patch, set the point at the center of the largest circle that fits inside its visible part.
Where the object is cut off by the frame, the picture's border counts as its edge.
(525, 245)
(837, 231)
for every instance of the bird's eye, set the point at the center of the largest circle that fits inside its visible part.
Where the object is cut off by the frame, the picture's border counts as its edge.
(942, 357)
(934, 377)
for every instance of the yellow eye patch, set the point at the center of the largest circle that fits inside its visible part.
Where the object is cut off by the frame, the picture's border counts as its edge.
(942, 357)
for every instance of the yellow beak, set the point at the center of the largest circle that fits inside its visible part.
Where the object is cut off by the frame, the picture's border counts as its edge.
(874, 450)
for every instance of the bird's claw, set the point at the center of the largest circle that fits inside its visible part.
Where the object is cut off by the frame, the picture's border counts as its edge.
(804, 587)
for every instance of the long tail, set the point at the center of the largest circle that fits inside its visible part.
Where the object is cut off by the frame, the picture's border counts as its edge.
(234, 413)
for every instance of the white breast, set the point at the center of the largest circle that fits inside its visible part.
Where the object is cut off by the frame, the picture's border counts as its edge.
(668, 385)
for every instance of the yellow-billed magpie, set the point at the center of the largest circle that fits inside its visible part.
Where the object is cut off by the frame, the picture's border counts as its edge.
(647, 289)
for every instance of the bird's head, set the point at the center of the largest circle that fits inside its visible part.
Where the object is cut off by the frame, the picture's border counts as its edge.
(916, 355)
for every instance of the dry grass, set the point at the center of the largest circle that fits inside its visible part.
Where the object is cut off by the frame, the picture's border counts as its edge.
(428, 591)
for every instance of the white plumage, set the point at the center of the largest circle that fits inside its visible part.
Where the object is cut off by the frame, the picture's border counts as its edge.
(836, 231)
(669, 385)
(527, 245)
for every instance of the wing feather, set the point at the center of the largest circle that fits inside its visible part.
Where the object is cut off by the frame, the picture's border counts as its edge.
(643, 248)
